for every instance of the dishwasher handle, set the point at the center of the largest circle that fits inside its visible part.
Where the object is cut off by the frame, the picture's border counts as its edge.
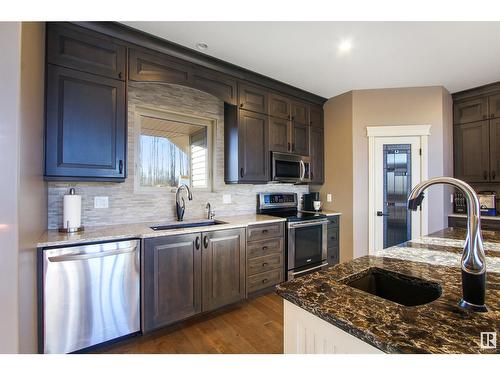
(83, 256)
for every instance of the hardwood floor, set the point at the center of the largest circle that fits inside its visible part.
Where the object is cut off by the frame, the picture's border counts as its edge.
(251, 327)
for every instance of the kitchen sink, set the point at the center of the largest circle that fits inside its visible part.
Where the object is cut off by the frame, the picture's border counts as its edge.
(402, 289)
(188, 224)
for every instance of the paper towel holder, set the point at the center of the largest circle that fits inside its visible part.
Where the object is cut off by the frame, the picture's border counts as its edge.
(68, 229)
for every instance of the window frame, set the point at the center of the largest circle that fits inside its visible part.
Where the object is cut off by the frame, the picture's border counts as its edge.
(164, 114)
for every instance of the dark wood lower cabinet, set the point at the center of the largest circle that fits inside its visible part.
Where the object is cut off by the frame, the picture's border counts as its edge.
(184, 275)
(333, 232)
(223, 268)
(172, 279)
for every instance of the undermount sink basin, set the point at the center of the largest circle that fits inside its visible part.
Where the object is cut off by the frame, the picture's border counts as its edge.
(402, 289)
(189, 224)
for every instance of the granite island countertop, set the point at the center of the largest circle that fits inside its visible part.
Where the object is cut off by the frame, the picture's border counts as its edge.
(437, 327)
(53, 238)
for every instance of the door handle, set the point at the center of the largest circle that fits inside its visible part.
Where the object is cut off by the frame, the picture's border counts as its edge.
(380, 213)
(84, 256)
(205, 242)
(197, 243)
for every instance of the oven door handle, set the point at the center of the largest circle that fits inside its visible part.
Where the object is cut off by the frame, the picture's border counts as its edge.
(308, 224)
(310, 269)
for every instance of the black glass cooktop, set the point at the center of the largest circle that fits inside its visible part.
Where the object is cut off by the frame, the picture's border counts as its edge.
(293, 215)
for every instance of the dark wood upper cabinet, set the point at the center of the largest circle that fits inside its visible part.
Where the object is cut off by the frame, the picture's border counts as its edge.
(471, 151)
(172, 279)
(279, 106)
(317, 140)
(157, 67)
(470, 110)
(246, 146)
(86, 126)
(316, 116)
(253, 98)
(223, 87)
(494, 149)
(300, 112)
(223, 268)
(300, 138)
(279, 135)
(75, 47)
(494, 106)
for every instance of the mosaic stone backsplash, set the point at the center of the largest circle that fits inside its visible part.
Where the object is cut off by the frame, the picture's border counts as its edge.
(129, 206)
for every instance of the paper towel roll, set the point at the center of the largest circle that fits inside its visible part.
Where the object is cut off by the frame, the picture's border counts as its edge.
(72, 211)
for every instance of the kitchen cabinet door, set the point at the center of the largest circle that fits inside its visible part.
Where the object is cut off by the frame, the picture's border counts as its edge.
(279, 106)
(316, 116)
(317, 155)
(223, 267)
(471, 151)
(171, 279)
(75, 47)
(253, 98)
(494, 149)
(279, 135)
(494, 106)
(156, 67)
(86, 126)
(221, 86)
(470, 110)
(300, 139)
(300, 112)
(253, 133)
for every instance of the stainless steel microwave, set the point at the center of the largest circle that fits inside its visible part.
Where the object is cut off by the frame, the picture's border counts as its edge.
(290, 168)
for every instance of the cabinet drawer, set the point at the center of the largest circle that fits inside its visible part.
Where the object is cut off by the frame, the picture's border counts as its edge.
(264, 280)
(333, 236)
(266, 263)
(333, 256)
(333, 220)
(265, 247)
(263, 231)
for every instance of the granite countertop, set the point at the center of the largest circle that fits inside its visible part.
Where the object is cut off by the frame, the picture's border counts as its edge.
(142, 230)
(325, 212)
(483, 217)
(437, 327)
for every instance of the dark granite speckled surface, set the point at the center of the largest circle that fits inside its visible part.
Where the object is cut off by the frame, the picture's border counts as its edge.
(437, 327)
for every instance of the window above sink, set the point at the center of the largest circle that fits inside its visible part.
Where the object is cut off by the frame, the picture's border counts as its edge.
(172, 149)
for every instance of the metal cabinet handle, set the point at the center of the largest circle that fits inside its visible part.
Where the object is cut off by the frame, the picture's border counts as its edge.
(264, 231)
(264, 281)
(264, 248)
(197, 243)
(493, 175)
(120, 166)
(310, 269)
(242, 172)
(205, 241)
(288, 148)
(380, 213)
(241, 105)
(120, 75)
(264, 264)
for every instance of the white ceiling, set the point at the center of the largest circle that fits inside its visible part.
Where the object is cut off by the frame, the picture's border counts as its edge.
(457, 55)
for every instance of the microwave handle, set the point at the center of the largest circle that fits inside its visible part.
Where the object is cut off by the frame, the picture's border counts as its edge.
(302, 170)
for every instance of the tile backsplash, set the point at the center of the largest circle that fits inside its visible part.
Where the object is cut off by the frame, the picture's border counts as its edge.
(126, 205)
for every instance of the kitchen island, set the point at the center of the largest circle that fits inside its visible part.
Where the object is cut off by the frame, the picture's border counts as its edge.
(324, 315)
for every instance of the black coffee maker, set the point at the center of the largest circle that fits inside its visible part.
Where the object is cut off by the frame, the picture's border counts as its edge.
(308, 199)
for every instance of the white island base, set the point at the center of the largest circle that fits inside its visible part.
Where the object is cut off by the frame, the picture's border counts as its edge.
(305, 333)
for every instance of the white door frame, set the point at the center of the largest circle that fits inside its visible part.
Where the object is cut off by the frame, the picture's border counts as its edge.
(373, 132)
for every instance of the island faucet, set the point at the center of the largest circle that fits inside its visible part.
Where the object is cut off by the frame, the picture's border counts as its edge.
(180, 209)
(473, 263)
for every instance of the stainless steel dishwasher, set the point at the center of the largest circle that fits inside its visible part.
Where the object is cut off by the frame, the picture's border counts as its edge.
(89, 294)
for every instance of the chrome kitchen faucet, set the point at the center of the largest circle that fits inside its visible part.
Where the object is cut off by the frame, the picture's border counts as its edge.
(473, 258)
(181, 209)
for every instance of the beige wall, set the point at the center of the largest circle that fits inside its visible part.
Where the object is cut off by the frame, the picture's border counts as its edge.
(339, 167)
(32, 188)
(384, 107)
(10, 66)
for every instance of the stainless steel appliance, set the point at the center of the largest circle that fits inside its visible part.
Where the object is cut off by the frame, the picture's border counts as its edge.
(89, 294)
(290, 168)
(306, 233)
(488, 203)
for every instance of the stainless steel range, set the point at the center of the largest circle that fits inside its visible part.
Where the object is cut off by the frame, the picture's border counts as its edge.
(306, 233)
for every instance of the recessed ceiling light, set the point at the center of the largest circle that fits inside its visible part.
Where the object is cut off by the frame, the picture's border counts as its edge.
(345, 46)
(202, 46)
